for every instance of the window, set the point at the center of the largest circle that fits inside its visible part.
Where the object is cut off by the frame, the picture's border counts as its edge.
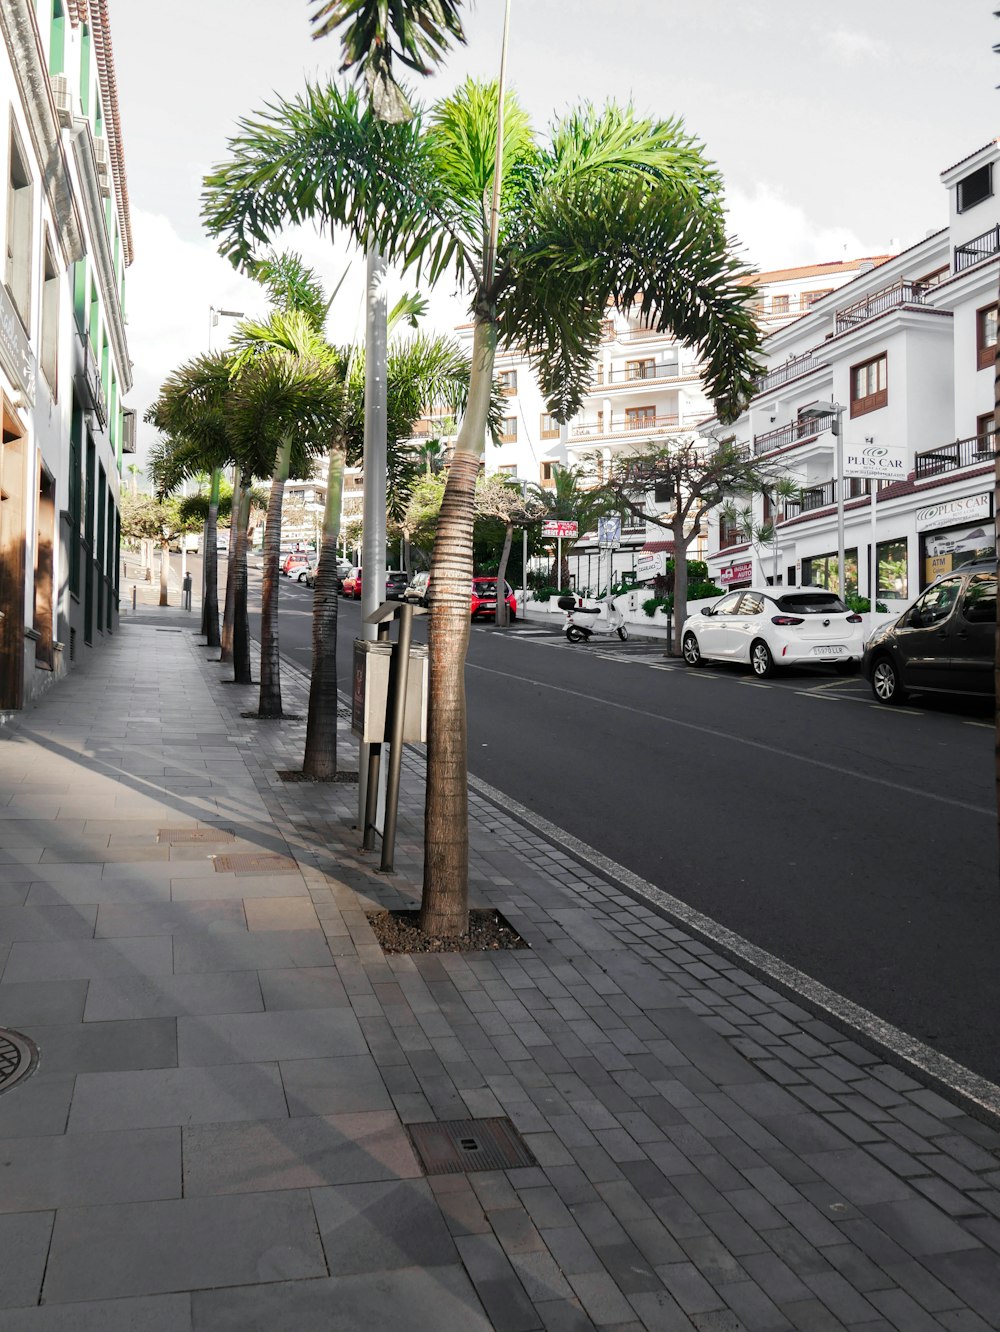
(979, 605)
(751, 604)
(508, 469)
(663, 492)
(975, 187)
(508, 432)
(869, 385)
(779, 305)
(637, 417)
(547, 473)
(728, 605)
(644, 369)
(811, 297)
(549, 427)
(49, 338)
(821, 571)
(892, 573)
(936, 603)
(18, 260)
(986, 337)
(507, 380)
(985, 426)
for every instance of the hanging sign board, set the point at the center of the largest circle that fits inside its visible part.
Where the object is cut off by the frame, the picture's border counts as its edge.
(560, 527)
(609, 532)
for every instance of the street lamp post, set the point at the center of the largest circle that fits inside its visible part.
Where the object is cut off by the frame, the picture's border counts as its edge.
(817, 413)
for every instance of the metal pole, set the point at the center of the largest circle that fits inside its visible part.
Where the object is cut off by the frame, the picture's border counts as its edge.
(559, 563)
(524, 570)
(398, 698)
(838, 430)
(375, 478)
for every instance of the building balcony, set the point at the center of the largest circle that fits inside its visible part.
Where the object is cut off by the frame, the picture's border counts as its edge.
(977, 249)
(893, 297)
(796, 432)
(971, 452)
(792, 369)
(644, 375)
(626, 427)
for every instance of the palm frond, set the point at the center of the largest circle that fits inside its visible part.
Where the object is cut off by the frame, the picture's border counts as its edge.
(291, 285)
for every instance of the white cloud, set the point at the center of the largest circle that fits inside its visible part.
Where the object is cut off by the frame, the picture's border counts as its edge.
(854, 47)
(775, 232)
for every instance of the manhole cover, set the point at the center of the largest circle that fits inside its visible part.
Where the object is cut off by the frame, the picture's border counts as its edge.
(461, 1146)
(254, 864)
(178, 835)
(18, 1057)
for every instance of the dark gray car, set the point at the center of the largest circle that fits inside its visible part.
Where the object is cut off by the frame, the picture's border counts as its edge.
(944, 643)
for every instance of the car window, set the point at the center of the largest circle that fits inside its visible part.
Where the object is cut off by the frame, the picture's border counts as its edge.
(484, 587)
(752, 603)
(811, 603)
(936, 603)
(979, 605)
(728, 605)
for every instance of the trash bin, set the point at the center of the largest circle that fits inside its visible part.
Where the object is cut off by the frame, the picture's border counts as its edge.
(370, 693)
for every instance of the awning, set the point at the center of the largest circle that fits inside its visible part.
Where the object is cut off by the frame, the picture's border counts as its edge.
(653, 546)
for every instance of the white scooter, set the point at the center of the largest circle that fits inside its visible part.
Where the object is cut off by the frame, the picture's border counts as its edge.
(582, 622)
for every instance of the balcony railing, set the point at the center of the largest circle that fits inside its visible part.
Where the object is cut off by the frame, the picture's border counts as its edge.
(793, 433)
(892, 297)
(781, 374)
(981, 247)
(630, 374)
(593, 429)
(960, 453)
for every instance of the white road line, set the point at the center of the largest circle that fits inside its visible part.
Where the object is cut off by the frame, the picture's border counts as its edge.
(749, 744)
(905, 1049)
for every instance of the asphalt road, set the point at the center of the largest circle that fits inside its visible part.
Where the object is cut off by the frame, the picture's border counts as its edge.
(855, 842)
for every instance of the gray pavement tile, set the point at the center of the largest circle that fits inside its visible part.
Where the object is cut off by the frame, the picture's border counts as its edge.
(902, 1311)
(122, 920)
(689, 1288)
(540, 1276)
(858, 1176)
(712, 1259)
(82, 890)
(114, 998)
(304, 1033)
(185, 1244)
(503, 1297)
(81, 959)
(100, 1047)
(281, 913)
(176, 1096)
(303, 987)
(300, 1153)
(89, 1168)
(377, 1227)
(232, 951)
(440, 1299)
(44, 1002)
(601, 1298)
(156, 1313)
(346, 1084)
(36, 1106)
(755, 1311)
(24, 1244)
(34, 924)
(840, 1297)
(216, 887)
(919, 1227)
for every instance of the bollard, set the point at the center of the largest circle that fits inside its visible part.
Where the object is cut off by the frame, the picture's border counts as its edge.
(134, 591)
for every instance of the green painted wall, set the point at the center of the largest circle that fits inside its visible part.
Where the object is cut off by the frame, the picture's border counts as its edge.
(57, 39)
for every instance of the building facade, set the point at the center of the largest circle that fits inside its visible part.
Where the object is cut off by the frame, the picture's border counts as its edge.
(64, 365)
(907, 352)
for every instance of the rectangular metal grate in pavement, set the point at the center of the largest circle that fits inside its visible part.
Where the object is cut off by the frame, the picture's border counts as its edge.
(463, 1146)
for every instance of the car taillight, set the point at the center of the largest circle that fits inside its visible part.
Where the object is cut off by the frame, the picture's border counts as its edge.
(786, 619)
(854, 619)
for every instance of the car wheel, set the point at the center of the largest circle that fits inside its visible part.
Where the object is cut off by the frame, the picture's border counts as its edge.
(886, 684)
(623, 632)
(692, 652)
(761, 659)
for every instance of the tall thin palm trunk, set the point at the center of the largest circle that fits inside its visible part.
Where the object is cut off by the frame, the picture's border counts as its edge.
(320, 760)
(164, 572)
(210, 618)
(445, 904)
(241, 618)
(270, 664)
(227, 615)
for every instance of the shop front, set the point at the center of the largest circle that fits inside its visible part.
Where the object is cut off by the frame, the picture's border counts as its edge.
(954, 532)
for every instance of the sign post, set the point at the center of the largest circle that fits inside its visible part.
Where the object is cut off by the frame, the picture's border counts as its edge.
(559, 528)
(609, 538)
(875, 463)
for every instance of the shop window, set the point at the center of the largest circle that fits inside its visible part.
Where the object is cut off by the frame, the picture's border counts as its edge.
(893, 580)
(821, 571)
(986, 337)
(869, 385)
(507, 379)
(975, 188)
(18, 258)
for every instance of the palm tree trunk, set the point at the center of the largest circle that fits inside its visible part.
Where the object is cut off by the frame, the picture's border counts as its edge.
(165, 572)
(502, 612)
(320, 759)
(211, 616)
(227, 615)
(241, 619)
(445, 905)
(270, 668)
(680, 584)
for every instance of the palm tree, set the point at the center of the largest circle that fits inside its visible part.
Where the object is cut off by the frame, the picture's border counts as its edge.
(609, 209)
(501, 499)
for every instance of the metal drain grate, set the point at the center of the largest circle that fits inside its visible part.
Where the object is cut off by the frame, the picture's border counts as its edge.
(18, 1057)
(254, 864)
(169, 631)
(178, 835)
(462, 1146)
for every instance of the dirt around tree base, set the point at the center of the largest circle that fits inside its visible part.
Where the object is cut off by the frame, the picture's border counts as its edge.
(297, 775)
(400, 932)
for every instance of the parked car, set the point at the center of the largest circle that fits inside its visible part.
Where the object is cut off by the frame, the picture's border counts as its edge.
(342, 570)
(417, 589)
(484, 598)
(776, 627)
(351, 583)
(301, 573)
(294, 561)
(943, 643)
(396, 581)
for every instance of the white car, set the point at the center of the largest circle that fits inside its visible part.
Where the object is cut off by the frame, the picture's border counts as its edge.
(776, 627)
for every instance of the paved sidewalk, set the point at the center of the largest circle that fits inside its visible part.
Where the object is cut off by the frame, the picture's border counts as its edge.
(215, 1136)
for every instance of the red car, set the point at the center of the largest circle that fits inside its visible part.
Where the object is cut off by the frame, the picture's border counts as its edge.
(293, 562)
(351, 583)
(484, 598)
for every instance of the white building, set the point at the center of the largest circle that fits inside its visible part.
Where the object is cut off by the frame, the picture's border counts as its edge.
(64, 365)
(907, 351)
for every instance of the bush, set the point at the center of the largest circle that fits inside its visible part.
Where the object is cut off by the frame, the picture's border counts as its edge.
(861, 605)
(653, 604)
(546, 593)
(702, 591)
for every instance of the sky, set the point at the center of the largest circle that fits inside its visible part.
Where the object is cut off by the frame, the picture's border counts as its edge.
(830, 124)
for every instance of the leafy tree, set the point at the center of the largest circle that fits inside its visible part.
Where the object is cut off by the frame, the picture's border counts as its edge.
(154, 518)
(698, 474)
(762, 533)
(610, 208)
(504, 501)
(573, 496)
